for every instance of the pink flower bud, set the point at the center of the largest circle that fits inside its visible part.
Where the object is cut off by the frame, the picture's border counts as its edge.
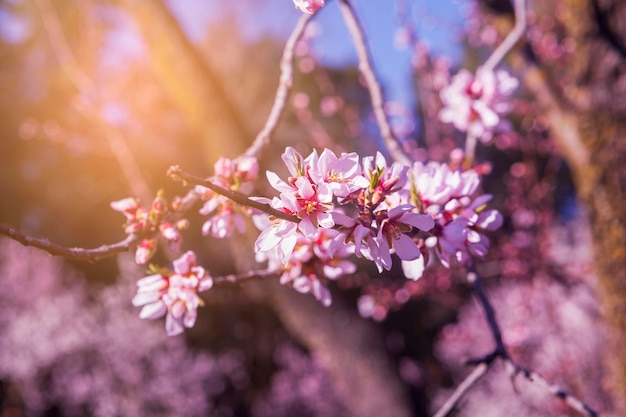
(308, 6)
(125, 205)
(145, 251)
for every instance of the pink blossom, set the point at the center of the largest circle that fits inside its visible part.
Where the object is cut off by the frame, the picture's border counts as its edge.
(392, 228)
(280, 234)
(310, 264)
(383, 180)
(435, 183)
(342, 175)
(174, 294)
(128, 206)
(474, 104)
(301, 197)
(308, 6)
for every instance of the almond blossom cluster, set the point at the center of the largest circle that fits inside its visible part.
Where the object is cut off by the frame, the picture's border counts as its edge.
(374, 210)
(159, 218)
(329, 209)
(474, 103)
(174, 293)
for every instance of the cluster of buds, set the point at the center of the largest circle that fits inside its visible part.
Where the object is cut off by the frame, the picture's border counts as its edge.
(224, 215)
(159, 219)
(474, 104)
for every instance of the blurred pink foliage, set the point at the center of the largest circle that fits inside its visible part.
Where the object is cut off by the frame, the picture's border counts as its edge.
(300, 387)
(62, 349)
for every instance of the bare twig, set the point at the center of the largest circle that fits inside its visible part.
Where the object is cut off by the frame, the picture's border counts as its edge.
(81, 254)
(375, 90)
(283, 90)
(511, 39)
(479, 371)
(176, 173)
(502, 353)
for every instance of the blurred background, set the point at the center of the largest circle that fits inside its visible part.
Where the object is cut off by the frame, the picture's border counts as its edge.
(99, 97)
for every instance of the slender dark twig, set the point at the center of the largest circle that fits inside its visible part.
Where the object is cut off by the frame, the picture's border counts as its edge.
(283, 90)
(500, 352)
(244, 277)
(82, 254)
(176, 173)
(375, 90)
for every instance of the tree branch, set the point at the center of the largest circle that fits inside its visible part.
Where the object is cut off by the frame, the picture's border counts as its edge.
(375, 90)
(283, 90)
(81, 254)
(511, 39)
(176, 173)
(501, 352)
(479, 371)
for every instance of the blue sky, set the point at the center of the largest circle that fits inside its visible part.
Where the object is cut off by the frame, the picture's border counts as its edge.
(435, 22)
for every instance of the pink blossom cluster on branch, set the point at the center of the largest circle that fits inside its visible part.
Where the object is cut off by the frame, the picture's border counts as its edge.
(329, 209)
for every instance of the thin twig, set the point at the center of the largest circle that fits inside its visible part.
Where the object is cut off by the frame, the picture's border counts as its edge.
(500, 352)
(283, 90)
(81, 254)
(176, 173)
(244, 277)
(511, 39)
(469, 381)
(375, 90)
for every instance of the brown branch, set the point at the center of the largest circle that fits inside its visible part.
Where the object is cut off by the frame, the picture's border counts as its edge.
(176, 173)
(375, 90)
(501, 352)
(81, 254)
(283, 90)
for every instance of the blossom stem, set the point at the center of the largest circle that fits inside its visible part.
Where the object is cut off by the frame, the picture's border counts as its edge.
(283, 90)
(482, 364)
(511, 39)
(469, 381)
(245, 277)
(373, 86)
(176, 173)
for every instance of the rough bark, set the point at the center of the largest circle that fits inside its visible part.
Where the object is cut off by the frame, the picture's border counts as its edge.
(586, 112)
(352, 351)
